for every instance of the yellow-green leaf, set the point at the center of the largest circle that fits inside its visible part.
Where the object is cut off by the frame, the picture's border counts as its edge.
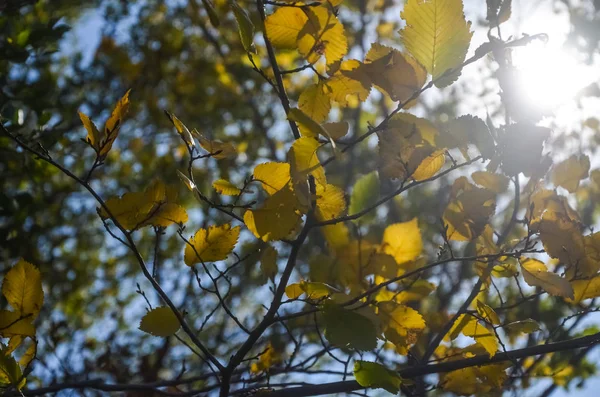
(245, 26)
(22, 288)
(365, 193)
(437, 35)
(212, 244)
(369, 374)
(160, 321)
(268, 262)
(276, 219)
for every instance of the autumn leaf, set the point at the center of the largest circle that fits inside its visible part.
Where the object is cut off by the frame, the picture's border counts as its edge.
(22, 288)
(160, 321)
(437, 35)
(212, 244)
(226, 188)
(403, 241)
(322, 34)
(365, 194)
(273, 176)
(347, 328)
(536, 274)
(314, 102)
(570, 172)
(276, 219)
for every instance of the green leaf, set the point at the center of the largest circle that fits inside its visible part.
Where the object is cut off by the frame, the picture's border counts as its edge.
(10, 372)
(245, 26)
(347, 328)
(437, 35)
(370, 374)
(364, 193)
(160, 321)
(212, 14)
(526, 326)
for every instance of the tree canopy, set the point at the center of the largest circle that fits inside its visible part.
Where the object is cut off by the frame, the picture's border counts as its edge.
(298, 198)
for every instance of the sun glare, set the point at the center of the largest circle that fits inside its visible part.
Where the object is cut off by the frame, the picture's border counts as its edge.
(550, 76)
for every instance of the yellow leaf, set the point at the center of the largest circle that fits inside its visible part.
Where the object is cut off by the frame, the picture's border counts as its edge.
(22, 288)
(226, 188)
(188, 182)
(322, 34)
(276, 219)
(487, 313)
(427, 130)
(330, 202)
(476, 380)
(403, 241)
(265, 361)
(536, 274)
(283, 26)
(304, 160)
(401, 324)
(218, 150)
(496, 183)
(589, 265)
(570, 172)
(294, 291)
(15, 324)
(308, 127)
(160, 321)
(430, 165)
(273, 176)
(181, 129)
(314, 102)
(113, 124)
(93, 135)
(437, 35)
(336, 235)
(561, 237)
(350, 80)
(396, 74)
(483, 336)
(151, 207)
(211, 245)
(585, 289)
(467, 215)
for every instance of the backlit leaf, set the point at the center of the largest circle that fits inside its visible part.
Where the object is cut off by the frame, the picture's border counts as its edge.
(314, 102)
(585, 289)
(322, 35)
(268, 262)
(496, 183)
(365, 193)
(283, 26)
(22, 288)
(212, 244)
(430, 165)
(570, 172)
(160, 321)
(370, 374)
(276, 219)
(273, 176)
(437, 35)
(536, 274)
(403, 241)
(396, 74)
(226, 188)
(114, 123)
